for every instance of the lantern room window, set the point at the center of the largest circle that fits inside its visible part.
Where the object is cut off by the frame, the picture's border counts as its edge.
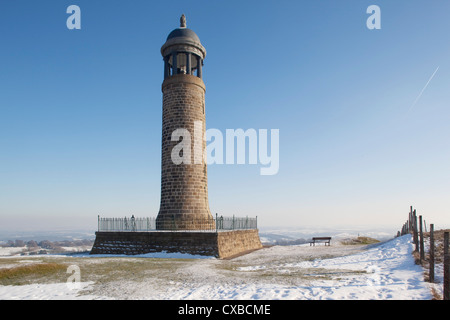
(186, 63)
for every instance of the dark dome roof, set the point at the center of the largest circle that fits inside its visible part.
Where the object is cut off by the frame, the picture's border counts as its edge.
(183, 32)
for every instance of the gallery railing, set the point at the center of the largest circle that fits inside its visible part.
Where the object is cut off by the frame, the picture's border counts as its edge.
(219, 223)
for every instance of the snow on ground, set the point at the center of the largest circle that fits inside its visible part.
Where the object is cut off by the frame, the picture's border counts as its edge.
(385, 271)
(381, 271)
(8, 251)
(54, 291)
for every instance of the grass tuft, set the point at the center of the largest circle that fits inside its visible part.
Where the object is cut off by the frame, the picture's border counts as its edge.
(359, 241)
(27, 274)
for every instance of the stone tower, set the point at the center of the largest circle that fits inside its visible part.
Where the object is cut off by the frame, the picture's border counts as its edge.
(184, 187)
(184, 206)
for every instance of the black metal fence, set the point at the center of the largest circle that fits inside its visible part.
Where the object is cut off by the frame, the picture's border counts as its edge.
(219, 223)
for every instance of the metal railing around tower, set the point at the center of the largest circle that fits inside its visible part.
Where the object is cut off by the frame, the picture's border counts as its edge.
(217, 224)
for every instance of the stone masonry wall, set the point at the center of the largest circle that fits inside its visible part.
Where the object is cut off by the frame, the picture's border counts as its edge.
(219, 244)
(231, 243)
(184, 187)
(132, 243)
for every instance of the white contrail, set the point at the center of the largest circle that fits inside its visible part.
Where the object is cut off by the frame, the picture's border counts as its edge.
(418, 97)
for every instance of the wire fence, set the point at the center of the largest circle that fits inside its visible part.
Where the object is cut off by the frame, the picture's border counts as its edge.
(133, 224)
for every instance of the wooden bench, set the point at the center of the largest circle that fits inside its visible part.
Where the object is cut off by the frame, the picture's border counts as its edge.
(320, 239)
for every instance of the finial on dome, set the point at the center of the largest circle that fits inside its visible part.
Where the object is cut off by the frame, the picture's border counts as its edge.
(183, 21)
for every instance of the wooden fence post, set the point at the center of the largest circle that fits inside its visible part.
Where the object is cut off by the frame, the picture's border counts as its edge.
(431, 272)
(410, 219)
(416, 241)
(446, 268)
(422, 251)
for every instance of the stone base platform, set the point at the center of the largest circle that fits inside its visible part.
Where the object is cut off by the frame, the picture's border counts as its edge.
(222, 244)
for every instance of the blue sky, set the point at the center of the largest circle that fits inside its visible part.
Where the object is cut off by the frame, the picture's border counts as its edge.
(80, 110)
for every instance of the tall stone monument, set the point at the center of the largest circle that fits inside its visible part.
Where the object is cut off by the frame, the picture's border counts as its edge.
(184, 223)
(184, 186)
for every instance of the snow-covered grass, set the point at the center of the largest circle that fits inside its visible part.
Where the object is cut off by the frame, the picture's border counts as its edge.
(378, 271)
(52, 291)
(10, 251)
